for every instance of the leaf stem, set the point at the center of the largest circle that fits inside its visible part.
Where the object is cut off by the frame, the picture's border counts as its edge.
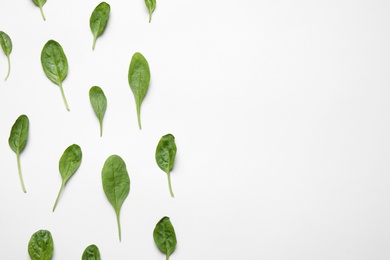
(101, 127)
(20, 172)
(169, 184)
(9, 67)
(58, 196)
(94, 42)
(118, 220)
(63, 96)
(43, 15)
(139, 115)
(150, 17)
(167, 256)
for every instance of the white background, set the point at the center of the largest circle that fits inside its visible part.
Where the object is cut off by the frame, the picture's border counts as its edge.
(280, 111)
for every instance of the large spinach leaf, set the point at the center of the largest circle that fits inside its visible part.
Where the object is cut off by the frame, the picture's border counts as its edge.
(41, 246)
(165, 237)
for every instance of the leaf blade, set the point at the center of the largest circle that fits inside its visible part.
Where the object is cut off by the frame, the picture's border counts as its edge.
(164, 236)
(98, 102)
(41, 246)
(91, 253)
(165, 156)
(98, 20)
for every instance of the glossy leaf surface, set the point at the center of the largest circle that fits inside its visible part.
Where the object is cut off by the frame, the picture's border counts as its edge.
(139, 77)
(91, 253)
(41, 246)
(165, 237)
(165, 156)
(98, 20)
(99, 104)
(6, 45)
(116, 184)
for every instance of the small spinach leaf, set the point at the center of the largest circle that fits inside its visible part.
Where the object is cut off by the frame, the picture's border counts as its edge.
(6, 45)
(41, 246)
(69, 163)
(40, 4)
(151, 5)
(116, 184)
(17, 141)
(55, 65)
(98, 20)
(99, 104)
(165, 237)
(165, 156)
(139, 77)
(91, 253)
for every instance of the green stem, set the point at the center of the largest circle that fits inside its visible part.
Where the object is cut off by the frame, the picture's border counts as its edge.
(20, 172)
(169, 183)
(63, 96)
(139, 115)
(167, 256)
(58, 196)
(9, 67)
(43, 15)
(94, 42)
(150, 17)
(118, 220)
(101, 127)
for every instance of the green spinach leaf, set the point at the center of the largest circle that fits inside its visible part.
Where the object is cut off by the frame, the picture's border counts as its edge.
(165, 237)
(151, 5)
(98, 20)
(91, 253)
(99, 104)
(55, 65)
(6, 45)
(40, 4)
(116, 184)
(165, 156)
(41, 246)
(139, 77)
(17, 141)
(69, 163)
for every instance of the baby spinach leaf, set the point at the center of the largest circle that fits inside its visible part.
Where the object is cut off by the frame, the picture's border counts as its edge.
(99, 104)
(151, 5)
(139, 77)
(165, 156)
(40, 4)
(6, 45)
(98, 20)
(41, 246)
(165, 237)
(91, 253)
(116, 184)
(69, 163)
(17, 141)
(55, 65)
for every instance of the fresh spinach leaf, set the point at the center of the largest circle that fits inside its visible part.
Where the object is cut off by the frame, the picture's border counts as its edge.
(91, 253)
(139, 77)
(17, 141)
(40, 4)
(41, 246)
(55, 65)
(98, 20)
(69, 163)
(151, 5)
(116, 184)
(165, 156)
(99, 104)
(6, 45)
(165, 237)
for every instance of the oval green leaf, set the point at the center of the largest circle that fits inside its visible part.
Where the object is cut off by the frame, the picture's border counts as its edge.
(40, 4)
(151, 5)
(6, 45)
(116, 184)
(17, 141)
(69, 163)
(165, 156)
(99, 104)
(98, 21)
(41, 246)
(139, 77)
(91, 253)
(165, 237)
(55, 65)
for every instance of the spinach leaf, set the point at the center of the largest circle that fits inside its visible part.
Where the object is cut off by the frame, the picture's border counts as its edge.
(17, 141)
(69, 163)
(116, 184)
(55, 65)
(99, 104)
(98, 20)
(165, 237)
(139, 77)
(41, 246)
(165, 156)
(6, 45)
(151, 5)
(91, 253)
(40, 4)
